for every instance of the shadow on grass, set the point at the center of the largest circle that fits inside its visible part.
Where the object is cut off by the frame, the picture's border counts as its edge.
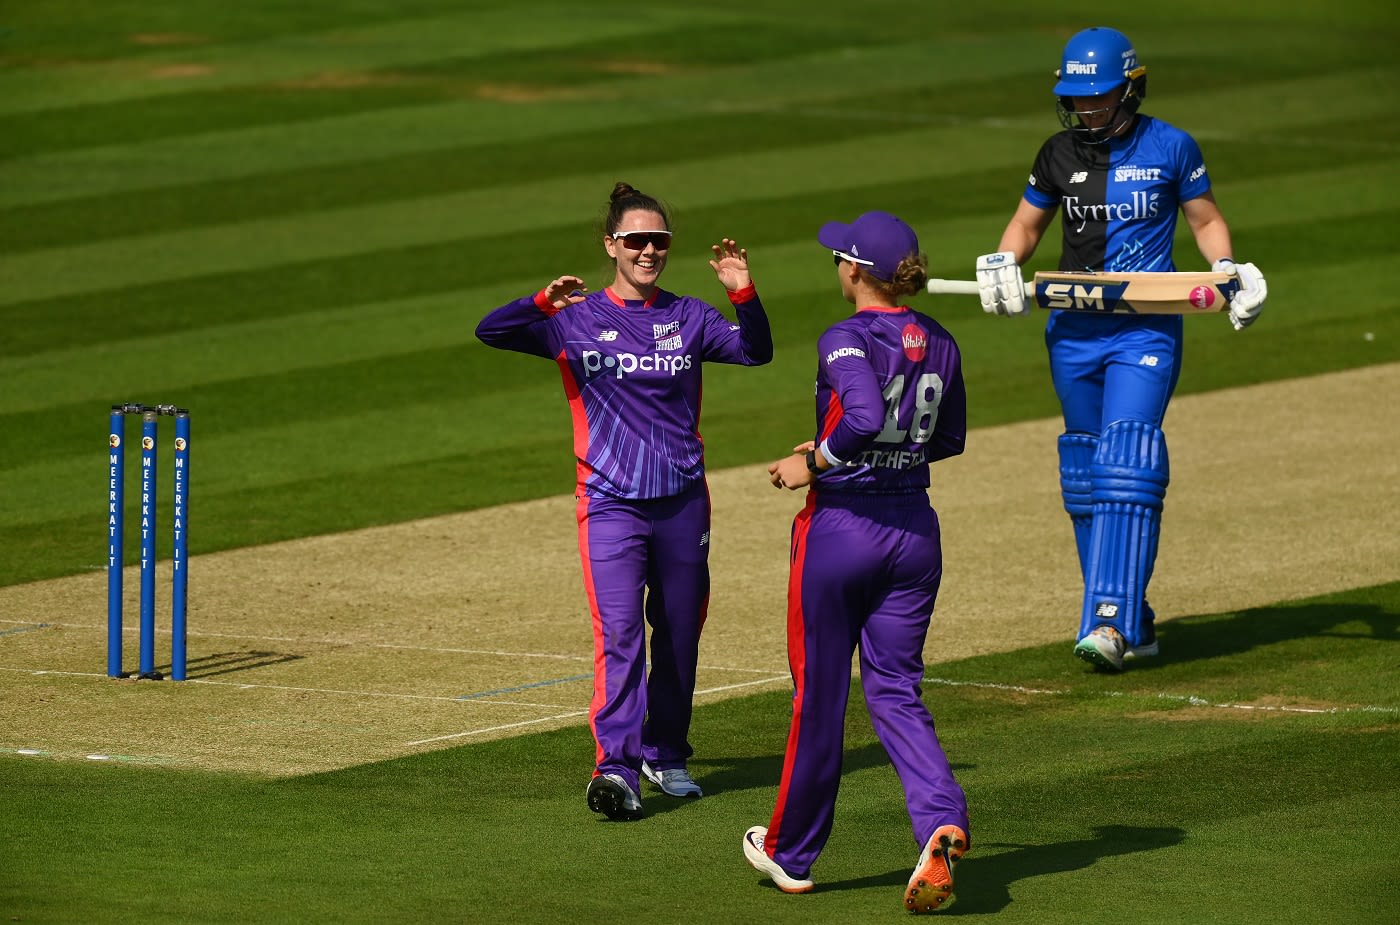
(984, 883)
(209, 666)
(1189, 639)
(729, 775)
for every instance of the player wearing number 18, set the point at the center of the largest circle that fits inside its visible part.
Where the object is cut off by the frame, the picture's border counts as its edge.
(866, 559)
(1118, 179)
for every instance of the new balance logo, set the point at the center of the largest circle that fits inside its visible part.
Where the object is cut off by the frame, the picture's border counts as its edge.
(608, 336)
(1079, 176)
(1107, 610)
(1148, 360)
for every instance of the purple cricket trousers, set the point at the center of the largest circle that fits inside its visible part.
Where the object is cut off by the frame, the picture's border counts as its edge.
(645, 562)
(865, 573)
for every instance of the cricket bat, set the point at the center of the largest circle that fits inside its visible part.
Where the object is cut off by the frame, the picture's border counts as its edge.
(1118, 293)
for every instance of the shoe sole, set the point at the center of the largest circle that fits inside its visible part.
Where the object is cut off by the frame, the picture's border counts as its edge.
(761, 862)
(607, 798)
(1092, 654)
(932, 881)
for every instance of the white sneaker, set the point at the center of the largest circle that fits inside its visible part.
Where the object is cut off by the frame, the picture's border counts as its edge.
(1146, 650)
(761, 862)
(932, 881)
(609, 794)
(1104, 647)
(1148, 647)
(675, 782)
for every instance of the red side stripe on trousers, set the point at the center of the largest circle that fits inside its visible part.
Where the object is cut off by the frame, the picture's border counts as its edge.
(797, 662)
(600, 665)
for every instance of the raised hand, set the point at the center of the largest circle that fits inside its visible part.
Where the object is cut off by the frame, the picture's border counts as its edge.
(565, 291)
(731, 265)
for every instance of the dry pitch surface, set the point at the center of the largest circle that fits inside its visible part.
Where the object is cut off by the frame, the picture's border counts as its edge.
(337, 650)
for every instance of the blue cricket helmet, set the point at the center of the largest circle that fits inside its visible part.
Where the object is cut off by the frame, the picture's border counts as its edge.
(1097, 61)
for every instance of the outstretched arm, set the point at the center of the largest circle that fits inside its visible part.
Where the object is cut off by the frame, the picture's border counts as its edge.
(522, 325)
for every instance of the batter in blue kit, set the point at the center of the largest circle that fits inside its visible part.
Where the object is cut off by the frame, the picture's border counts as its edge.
(1118, 179)
(867, 562)
(630, 357)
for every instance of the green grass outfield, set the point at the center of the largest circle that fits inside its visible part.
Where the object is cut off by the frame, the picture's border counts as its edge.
(289, 218)
(1157, 796)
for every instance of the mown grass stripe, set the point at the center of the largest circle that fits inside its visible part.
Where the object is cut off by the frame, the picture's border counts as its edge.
(1216, 113)
(292, 56)
(421, 127)
(343, 232)
(315, 407)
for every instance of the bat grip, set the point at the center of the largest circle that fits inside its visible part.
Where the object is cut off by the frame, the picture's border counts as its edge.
(964, 287)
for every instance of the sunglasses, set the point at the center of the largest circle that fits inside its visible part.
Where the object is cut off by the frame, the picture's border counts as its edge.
(638, 240)
(840, 257)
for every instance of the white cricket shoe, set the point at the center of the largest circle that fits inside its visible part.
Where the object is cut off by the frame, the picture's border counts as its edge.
(761, 862)
(1104, 647)
(610, 795)
(675, 782)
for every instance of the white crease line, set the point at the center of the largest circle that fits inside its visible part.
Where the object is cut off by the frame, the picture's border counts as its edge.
(743, 684)
(990, 685)
(352, 643)
(474, 732)
(1183, 698)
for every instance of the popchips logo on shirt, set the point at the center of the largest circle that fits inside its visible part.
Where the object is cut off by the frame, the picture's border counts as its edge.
(624, 364)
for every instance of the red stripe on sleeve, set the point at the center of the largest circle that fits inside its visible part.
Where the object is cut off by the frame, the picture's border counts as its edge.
(544, 305)
(834, 411)
(743, 295)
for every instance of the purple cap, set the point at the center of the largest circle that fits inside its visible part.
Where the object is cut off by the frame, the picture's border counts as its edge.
(877, 241)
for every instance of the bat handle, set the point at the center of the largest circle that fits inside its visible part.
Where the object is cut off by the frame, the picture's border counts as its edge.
(952, 286)
(964, 287)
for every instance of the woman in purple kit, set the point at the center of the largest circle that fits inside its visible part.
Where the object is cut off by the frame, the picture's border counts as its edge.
(630, 358)
(867, 560)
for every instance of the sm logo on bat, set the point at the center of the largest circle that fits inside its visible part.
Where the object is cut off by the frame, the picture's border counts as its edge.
(1080, 297)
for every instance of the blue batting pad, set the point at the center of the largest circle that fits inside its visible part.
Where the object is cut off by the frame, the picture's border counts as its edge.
(1076, 456)
(1129, 478)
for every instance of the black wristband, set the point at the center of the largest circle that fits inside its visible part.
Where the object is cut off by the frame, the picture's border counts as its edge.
(812, 462)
